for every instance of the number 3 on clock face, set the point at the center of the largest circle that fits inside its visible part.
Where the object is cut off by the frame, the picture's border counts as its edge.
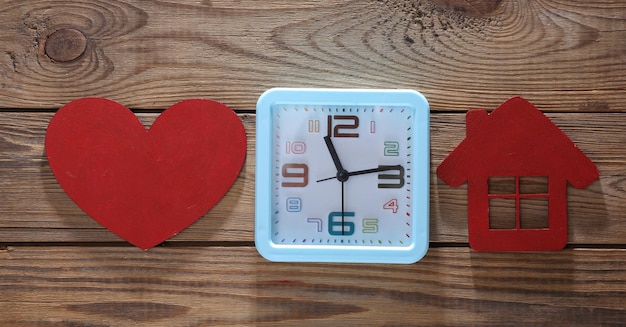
(342, 175)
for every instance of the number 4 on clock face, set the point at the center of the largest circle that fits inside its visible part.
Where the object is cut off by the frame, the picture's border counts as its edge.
(342, 175)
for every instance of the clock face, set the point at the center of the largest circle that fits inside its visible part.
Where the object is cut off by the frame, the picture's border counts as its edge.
(342, 176)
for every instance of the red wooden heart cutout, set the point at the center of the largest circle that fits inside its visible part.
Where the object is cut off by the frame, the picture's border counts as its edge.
(145, 186)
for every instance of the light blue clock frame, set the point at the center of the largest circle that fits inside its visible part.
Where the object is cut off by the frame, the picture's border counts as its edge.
(420, 167)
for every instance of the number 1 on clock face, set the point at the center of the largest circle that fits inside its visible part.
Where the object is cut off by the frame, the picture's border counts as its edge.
(342, 176)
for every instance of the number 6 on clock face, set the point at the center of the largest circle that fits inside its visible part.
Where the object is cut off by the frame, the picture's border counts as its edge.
(342, 175)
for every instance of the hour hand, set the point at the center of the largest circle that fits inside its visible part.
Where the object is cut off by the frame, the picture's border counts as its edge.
(374, 170)
(365, 171)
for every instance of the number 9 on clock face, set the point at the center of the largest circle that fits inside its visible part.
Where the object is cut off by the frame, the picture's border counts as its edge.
(342, 175)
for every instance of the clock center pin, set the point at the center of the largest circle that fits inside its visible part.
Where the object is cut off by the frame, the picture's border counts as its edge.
(342, 176)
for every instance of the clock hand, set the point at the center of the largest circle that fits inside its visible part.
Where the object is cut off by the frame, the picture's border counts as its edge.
(374, 170)
(333, 153)
(343, 210)
(363, 172)
(342, 174)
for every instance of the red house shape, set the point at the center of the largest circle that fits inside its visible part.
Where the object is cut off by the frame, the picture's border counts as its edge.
(516, 143)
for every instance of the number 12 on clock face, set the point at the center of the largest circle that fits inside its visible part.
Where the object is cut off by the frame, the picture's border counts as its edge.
(342, 175)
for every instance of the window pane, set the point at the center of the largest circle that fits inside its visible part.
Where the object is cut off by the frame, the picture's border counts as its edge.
(502, 185)
(502, 213)
(533, 185)
(534, 213)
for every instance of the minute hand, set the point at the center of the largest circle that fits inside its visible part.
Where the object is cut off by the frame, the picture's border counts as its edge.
(333, 154)
(366, 171)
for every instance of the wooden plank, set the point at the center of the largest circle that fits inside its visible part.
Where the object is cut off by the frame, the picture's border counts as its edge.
(35, 209)
(30, 195)
(564, 55)
(202, 286)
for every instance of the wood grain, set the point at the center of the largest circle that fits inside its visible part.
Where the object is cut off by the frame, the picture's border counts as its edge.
(564, 55)
(120, 286)
(33, 200)
(60, 268)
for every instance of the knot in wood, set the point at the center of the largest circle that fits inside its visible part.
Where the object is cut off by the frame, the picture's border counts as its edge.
(65, 45)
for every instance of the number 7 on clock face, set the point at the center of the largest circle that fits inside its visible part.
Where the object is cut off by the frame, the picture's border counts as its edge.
(342, 175)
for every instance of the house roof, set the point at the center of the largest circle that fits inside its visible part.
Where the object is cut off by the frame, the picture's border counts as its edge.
(516, 139)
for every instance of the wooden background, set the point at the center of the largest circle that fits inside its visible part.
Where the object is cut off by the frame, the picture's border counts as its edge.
(60, 268)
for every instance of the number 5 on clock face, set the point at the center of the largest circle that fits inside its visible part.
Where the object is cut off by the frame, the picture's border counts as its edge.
(342, 175)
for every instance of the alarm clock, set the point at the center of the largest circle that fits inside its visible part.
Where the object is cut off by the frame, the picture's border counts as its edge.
(342, 175)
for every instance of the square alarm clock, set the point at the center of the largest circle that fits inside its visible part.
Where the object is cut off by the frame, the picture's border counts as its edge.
(342, 175)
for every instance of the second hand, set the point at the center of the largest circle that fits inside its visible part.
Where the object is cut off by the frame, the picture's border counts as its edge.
(342, 210)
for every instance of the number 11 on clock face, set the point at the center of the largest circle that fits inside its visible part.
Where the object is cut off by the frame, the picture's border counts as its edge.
(342, 176)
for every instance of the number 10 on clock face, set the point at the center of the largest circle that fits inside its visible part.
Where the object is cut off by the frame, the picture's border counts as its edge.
(342, 175)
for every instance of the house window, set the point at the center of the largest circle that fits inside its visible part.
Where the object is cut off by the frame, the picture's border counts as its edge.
(519, 202)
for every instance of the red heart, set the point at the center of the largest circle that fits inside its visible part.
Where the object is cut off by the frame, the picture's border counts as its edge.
(145, 186)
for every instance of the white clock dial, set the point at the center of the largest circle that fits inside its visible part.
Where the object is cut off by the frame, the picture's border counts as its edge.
(371, 141)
